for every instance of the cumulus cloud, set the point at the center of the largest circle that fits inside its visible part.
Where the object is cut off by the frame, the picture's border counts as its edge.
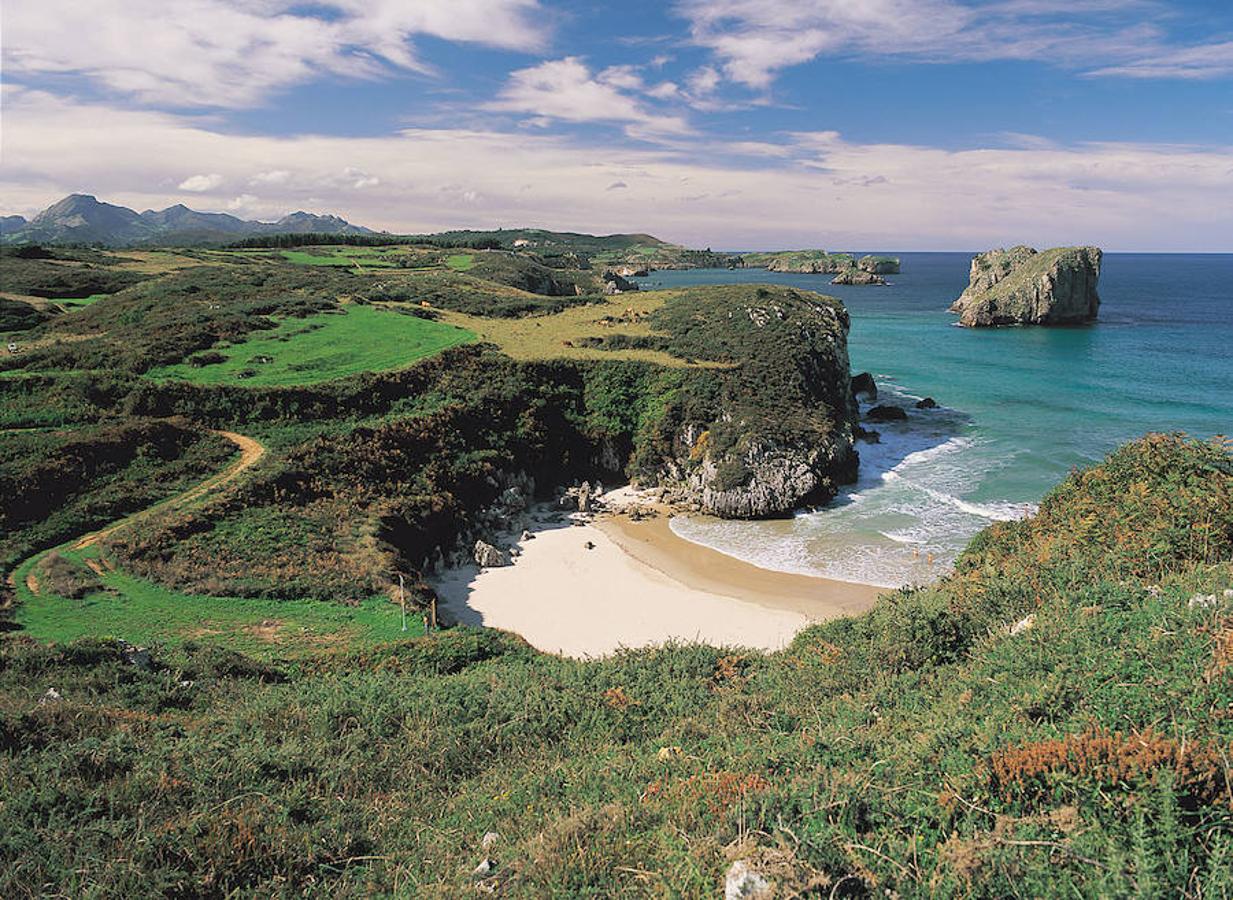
(201, 183)
(753, 40)
(565, 89)
(808, 187)
(235, 53)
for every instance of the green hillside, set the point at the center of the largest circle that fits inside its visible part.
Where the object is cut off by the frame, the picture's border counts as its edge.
(923, 749)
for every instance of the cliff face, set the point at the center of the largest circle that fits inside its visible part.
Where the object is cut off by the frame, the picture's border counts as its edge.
(1020, 286)
(773, 429)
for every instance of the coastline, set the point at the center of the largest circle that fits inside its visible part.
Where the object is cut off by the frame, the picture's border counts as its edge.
(587, 587)
(654, 544)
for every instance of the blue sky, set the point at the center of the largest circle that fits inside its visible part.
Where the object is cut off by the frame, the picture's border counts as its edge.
(907, 124)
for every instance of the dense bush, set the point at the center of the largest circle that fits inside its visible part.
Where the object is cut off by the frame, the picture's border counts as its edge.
(57, 485)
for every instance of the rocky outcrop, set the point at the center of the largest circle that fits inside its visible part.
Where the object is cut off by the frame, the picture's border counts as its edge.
(864, 384)
(1020, 286)
(774, 480)
(489, 557)
(774, 429)
(857, 276)
(617, 284)
(879, 265)
(886, 414)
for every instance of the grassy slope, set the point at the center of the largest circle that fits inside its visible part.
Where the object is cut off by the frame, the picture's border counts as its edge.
(916, 750)
(142, 612)
(322, 347)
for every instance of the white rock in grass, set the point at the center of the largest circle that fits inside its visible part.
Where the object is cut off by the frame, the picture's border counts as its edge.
(1023, 624)
(484, 869)
(1203, 601)
(52, 696)
(489, 840)
(743, 882)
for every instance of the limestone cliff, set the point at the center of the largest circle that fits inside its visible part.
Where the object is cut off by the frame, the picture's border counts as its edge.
(857, 276)
(770, 431)
(1020, 286)
(879, 265)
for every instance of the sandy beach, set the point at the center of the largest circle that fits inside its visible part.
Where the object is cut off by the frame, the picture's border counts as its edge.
(638, 584)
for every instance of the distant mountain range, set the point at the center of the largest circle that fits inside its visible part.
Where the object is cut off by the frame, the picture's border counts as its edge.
(83, 219)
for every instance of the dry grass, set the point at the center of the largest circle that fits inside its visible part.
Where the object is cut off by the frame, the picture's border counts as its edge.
(556, 336)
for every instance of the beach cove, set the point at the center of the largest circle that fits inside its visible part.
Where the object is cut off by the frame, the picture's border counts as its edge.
(587, 587)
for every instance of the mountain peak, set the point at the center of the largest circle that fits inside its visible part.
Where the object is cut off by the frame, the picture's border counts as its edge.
(84, 218)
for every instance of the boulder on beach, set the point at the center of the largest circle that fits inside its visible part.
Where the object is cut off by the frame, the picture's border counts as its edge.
(489, 557)
(1020, 286)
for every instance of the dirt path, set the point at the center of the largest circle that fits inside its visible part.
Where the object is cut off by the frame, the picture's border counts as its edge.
(250, 451)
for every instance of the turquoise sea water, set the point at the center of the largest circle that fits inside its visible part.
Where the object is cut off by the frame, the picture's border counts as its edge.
(1021, 407)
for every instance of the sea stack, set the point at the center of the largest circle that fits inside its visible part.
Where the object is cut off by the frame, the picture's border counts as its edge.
(1020, 286)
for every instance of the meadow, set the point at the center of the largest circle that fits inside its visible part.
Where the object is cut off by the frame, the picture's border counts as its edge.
(346, 257)
(120, 605)
(319, 348)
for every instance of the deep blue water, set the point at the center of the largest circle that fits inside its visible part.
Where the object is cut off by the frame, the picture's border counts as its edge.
(1021, 407)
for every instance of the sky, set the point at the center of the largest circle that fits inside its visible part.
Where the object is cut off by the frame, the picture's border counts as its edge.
(733, 124)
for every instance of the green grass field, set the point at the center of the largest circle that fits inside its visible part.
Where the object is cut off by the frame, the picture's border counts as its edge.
(460, 262)
(346, 257)
(79, 302)
(142, 612)
(323, 347)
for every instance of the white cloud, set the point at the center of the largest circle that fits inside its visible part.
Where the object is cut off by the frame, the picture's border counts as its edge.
(235, 53)
(564, 89)
(812, 188)
(753, 40)
(201, 183)
(275, 176)
(242, 203)
(1209, 61)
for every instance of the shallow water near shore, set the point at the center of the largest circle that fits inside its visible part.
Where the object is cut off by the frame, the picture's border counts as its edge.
(1020, 407)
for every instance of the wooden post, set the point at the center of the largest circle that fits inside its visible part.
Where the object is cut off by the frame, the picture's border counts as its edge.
(402, 599)
(434, 613)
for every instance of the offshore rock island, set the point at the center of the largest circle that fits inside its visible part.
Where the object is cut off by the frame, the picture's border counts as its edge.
(1021, 286)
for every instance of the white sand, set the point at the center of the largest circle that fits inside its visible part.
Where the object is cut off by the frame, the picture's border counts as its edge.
(563, 598)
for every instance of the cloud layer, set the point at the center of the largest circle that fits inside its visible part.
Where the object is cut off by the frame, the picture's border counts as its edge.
(755, 40)
(236, 53)
(803, 188)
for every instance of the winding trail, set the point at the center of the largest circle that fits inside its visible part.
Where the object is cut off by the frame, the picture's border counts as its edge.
(251, 451)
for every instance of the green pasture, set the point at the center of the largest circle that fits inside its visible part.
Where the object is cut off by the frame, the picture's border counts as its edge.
(323, 347)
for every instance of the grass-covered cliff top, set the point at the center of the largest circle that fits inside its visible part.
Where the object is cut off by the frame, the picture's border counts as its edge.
(1051, 720)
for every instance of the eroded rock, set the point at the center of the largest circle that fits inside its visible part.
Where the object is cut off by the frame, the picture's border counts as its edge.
(1020, 286)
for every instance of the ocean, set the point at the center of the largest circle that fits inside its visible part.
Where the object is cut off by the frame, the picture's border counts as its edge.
(1019, 408)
